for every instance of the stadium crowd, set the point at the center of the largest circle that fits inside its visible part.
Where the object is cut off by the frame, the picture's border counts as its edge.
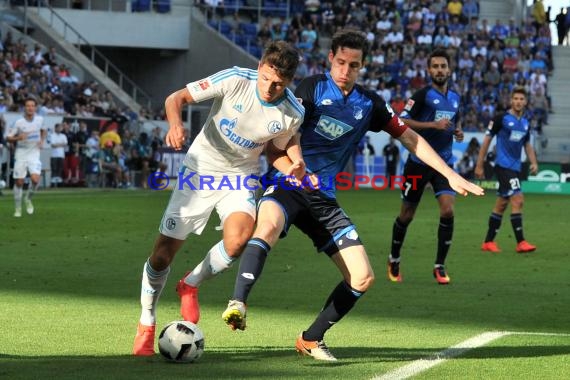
(488, 57)
(487, 61)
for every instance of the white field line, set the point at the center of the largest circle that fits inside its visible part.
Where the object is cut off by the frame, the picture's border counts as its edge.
(535, 333)
(421, 365)
(480, 340)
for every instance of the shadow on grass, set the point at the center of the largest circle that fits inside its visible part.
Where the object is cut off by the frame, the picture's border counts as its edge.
(254, 362)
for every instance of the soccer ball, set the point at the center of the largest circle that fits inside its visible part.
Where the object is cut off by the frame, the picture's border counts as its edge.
(2, 184)
(181, 342)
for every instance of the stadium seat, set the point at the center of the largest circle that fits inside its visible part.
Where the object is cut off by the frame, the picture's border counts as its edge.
(163, 6)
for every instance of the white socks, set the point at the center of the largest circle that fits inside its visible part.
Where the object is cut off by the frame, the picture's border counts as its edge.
(18, 191)
(32, 188)
(152, 284)
(216, 261)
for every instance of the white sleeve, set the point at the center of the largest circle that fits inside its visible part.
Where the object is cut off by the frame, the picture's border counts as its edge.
(12, 130)
(282, 141)
(214, 86)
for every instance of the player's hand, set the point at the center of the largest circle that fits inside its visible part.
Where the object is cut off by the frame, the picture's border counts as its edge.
(175, 137)
(297, 170)
(442, 124)
(464, 187)
(533, 169)
(479, 172)
(458, 133)
(311, 182)
(22, 136)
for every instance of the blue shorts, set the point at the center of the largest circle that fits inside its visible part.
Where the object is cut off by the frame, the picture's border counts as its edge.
(319, 217)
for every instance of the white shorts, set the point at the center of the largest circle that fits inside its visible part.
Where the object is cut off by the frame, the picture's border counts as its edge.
(188, 210)
(23, 166)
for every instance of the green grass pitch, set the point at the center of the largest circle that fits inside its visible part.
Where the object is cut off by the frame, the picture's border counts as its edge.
(70, 283)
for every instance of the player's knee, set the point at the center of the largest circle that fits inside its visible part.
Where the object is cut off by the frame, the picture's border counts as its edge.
(161, 259)
(517, 203)
(236, 243)
(268, 231)
(406, 216)
(446, 212)
(364, 282)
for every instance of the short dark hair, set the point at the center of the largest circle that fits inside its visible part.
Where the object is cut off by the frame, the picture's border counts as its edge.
(440, 53)
(282, 57)
(30, 99)
(519, 90)
(352, 39)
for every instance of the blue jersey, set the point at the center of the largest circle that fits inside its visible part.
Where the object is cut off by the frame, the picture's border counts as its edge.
(334, 124)
(428, 104)
(512, 135)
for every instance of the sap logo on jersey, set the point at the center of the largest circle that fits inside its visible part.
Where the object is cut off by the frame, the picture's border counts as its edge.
(331, 128)
(444, 115)
(517, 136)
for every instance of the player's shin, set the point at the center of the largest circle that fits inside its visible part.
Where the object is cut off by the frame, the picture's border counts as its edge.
(339, 303)
(31, 190)
(444, 236)
(399, 230)
(216, 261)
(18, 197)
(250, 268)
(152, 284)
(494, 225)
(517, 224)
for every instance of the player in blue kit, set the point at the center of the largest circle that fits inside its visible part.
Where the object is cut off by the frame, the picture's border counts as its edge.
(338, 112)
(432, 112)
(513, 134)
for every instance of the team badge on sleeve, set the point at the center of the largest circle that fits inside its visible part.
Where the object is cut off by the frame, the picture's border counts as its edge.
(204, 84)
(409, 104)
(201, 85)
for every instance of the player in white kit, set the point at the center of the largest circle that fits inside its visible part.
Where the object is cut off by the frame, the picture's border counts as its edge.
(29, 134)
(252, 110)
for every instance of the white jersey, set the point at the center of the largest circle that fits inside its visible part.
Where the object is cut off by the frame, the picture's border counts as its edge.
(56, 139)
(239, 124)
(27, 149)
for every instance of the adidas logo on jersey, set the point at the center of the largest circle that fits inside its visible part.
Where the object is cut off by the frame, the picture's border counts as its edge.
(238, 107)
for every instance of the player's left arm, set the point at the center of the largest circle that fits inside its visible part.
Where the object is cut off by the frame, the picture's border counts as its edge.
(458, 131)
(43, 137)
(290, 162)
(531, 157)
(420, 147)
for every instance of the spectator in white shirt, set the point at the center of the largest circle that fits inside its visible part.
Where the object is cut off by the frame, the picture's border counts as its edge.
(58, 143)
(394, 37)
(425, 38)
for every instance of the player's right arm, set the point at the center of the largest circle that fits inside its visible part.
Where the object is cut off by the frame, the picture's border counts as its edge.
(494, 127)
(479, 172)
(173, 106)
(14, 135)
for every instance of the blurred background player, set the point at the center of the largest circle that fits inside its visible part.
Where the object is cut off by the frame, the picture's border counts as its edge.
(29, 135)
(252, 110)
(433, 113)
(391, 154)
(513, 134)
